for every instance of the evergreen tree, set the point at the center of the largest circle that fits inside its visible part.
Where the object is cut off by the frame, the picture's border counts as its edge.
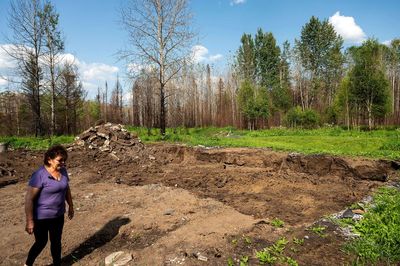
(246, 58)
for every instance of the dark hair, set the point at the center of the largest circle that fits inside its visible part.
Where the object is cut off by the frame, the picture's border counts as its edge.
(53, 152)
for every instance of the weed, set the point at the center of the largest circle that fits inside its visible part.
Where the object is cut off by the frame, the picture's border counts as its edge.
(244, 261)
(319, 230)
(277, 223)
(291, 261)
(298, 241)
(273, 253)
(264, 256)
(234, 242)
(293, 249)
(230, 262)
(247, 240)
(279, 246)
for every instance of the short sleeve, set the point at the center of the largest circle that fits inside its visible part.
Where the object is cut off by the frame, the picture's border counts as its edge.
(36, 180)
(65, 173)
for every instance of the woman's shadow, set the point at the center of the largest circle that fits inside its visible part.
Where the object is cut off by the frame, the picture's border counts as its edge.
(100, 238)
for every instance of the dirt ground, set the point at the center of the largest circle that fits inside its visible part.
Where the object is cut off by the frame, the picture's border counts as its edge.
(175, 205)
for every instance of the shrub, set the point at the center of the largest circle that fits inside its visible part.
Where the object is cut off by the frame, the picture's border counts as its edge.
(296, 117)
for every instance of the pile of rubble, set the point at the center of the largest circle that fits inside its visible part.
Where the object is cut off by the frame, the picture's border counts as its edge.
(111, 138)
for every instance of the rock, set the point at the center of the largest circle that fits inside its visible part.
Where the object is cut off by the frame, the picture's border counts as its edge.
(367, 200)
(169, 212)
(104, 148)
(152, 157)
(115, 157)
(103, 135)
(347, 214)
(147, 227)
(348, 233)
(118, 258)
(80, 143)
(89, 196)
(202, 258)
(357, 217)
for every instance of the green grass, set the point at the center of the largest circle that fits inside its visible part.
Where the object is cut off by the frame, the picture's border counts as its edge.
(35, 143)
(379, 230)
(379, 144)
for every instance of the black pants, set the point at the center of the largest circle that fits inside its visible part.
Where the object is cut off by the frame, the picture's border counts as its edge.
(42, 229)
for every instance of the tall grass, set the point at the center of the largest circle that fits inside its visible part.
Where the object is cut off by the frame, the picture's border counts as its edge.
(380, 143)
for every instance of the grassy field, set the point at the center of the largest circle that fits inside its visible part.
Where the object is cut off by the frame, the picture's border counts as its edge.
(378, 144)
(383, 144)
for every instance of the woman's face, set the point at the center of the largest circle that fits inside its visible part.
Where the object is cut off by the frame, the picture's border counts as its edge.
(57, 163)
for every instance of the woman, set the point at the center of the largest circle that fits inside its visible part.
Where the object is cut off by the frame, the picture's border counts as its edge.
(47, 192)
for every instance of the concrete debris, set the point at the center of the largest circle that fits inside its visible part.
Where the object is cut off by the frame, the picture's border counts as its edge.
(199, 256)
(108, 138)
(118, 258)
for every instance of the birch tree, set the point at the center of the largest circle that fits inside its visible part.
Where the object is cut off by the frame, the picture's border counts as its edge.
(54, 45)
(159, 37)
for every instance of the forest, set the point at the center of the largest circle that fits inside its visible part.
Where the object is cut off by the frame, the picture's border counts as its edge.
(310, 82)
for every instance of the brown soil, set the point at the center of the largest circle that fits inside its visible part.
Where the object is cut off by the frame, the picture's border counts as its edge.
(170, 205)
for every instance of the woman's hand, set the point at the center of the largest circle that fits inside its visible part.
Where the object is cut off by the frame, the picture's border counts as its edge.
(29, 226)
(70, 212)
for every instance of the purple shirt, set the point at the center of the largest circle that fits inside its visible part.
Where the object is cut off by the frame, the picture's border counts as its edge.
(50, 202)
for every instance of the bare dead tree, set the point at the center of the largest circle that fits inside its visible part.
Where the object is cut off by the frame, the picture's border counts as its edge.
(159, 35)
(26, 49)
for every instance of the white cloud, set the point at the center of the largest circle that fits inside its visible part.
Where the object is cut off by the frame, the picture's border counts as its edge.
(237, 2)
(135, 69)
(92, 75)
(201, 54)
(127, 97)
(97, 71)
(5, 60)
(91, 88)
(387, 42)
(347, 28)
(216, 57)
(3, 82)
(70, 59)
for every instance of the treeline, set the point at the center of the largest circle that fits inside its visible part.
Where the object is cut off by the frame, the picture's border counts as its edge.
(49, 96)
(313, 83)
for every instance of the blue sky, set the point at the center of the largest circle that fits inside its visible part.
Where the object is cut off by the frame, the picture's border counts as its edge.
(93, 34)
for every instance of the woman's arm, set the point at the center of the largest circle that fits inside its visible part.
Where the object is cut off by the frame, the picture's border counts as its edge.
(68, 198)
(31, 194)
